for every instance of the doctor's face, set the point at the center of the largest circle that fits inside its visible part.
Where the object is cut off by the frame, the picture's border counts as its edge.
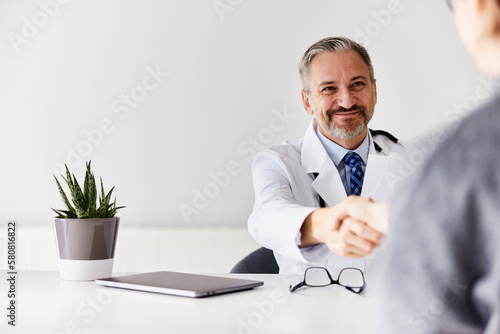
(341, 94)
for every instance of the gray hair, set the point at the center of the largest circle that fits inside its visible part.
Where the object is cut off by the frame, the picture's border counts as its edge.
(331, 44)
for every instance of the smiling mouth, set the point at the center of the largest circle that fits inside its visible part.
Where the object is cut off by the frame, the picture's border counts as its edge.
(346, 113)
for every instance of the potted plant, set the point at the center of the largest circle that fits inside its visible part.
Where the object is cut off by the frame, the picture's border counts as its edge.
(86, 233)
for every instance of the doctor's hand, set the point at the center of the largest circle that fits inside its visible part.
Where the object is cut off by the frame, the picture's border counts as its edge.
(353, 228)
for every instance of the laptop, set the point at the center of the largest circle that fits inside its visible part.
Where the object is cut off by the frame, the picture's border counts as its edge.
(180, 284)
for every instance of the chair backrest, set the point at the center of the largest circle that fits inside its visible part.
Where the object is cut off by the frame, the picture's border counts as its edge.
(260, 261)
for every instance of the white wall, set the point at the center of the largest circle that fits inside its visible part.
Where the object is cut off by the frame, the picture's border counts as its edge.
(232, 68)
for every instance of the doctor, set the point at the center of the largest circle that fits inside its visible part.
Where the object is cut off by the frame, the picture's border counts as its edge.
(301, 187)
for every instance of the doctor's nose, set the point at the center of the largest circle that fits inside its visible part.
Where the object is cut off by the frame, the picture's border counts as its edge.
(345, 99)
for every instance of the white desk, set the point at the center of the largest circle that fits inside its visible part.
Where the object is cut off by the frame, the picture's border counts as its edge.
(46, 304)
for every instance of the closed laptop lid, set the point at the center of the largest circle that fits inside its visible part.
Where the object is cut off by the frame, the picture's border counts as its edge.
(180, 284)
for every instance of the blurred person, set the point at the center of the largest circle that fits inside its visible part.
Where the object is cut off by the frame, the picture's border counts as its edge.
(440, 271)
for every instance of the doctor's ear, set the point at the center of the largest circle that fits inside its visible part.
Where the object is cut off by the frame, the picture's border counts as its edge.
(306, 102)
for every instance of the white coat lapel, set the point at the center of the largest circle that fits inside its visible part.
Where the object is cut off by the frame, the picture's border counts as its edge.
(315, 160)
(378, 166)
(375, 168)
(329, 186)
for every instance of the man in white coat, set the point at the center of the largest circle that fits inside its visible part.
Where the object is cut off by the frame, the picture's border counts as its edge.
(303, 188)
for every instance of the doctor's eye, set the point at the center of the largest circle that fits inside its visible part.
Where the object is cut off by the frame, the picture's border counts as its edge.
(358, 84)
(328, 89)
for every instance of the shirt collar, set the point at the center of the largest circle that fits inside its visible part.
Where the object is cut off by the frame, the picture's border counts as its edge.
(337, 152)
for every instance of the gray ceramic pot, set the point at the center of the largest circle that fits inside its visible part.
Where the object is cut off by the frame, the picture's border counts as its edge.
(86, 247)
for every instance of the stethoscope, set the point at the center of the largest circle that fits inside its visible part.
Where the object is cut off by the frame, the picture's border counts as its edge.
(322, 203)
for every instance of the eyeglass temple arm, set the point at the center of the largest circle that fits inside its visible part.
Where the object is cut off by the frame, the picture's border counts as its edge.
(356, 290)
(292, 289)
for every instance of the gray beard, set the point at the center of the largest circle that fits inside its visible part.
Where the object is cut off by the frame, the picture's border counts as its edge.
(343, 133)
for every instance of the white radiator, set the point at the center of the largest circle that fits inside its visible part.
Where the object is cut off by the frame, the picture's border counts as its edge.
(141, 249)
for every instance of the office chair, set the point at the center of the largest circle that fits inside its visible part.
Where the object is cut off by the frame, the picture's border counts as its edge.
(260, 261)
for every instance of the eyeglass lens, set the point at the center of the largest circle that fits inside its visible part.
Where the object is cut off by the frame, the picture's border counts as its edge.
(351, 277)
(317, 277)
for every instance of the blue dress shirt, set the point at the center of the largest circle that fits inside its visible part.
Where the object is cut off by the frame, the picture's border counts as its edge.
(337, 154)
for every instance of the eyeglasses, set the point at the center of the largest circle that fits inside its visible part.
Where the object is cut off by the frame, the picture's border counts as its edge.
(350, 278)
(451, 4)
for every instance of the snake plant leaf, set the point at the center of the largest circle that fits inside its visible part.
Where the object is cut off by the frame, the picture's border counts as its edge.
(86, 184)
(71, 185)
(108, 196)
(68, 180)
(102, 191)
(113, 209)
(92, 196)
(59, 214)
(71, 209)
(64, 214)
(78, 199)
(103, 203)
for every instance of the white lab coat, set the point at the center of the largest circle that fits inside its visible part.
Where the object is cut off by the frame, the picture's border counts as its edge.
(286, 193)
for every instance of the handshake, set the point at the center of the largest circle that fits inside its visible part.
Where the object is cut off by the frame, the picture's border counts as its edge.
(352, 228)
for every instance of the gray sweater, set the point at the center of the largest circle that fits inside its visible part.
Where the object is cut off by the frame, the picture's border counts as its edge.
(440, 270)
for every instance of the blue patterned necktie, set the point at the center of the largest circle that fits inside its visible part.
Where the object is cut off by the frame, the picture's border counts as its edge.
(357, 175)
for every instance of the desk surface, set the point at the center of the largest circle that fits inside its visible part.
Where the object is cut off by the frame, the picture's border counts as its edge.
(47, 304)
